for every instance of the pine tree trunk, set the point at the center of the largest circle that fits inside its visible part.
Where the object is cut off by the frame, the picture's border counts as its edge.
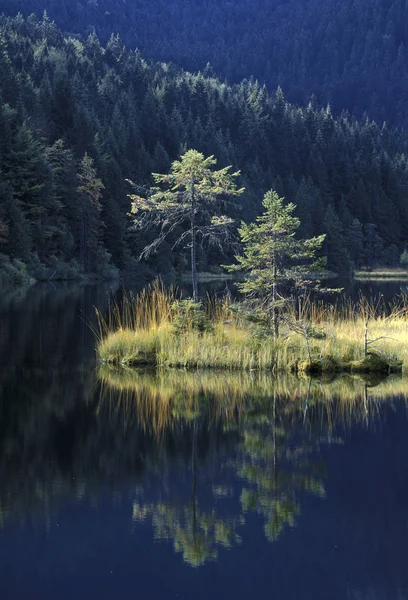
(366, 336)
(194, 264)
(193, 247)
(275, 314)
(194, 487)
(84, 237)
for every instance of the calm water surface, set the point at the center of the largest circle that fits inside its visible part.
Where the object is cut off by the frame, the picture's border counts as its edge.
(123, 485)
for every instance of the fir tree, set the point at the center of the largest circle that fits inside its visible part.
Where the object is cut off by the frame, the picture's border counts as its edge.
(276, 263)
(90, 190)
(188, 199)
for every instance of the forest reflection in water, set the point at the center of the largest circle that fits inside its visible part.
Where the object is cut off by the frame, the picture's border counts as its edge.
(195, 454)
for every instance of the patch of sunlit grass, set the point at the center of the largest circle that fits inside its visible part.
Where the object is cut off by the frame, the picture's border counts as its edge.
(142, 332)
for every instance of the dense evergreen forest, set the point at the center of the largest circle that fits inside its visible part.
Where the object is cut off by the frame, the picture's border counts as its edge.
(78, 118)
(352, 54)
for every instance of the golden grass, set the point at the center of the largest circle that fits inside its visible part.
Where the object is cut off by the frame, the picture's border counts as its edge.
(141, 332)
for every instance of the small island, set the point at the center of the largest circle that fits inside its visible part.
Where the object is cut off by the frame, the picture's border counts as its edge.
(279, 324)
(156, 329)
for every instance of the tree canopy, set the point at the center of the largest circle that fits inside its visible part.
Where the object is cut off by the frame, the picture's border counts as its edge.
(354, 58)
(276, 262)
(64, 97)
(187, 200)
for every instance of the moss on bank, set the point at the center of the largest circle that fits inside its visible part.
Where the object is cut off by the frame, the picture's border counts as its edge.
(372, 363)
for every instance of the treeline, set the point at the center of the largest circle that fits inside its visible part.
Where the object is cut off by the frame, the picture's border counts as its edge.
(353, 56)
(78, 118)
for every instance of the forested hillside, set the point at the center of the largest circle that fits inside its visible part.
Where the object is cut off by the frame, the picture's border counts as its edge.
(353, 54)
(77, 118)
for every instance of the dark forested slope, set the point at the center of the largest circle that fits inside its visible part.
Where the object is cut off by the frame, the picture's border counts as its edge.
(77, 118)
(353, 54)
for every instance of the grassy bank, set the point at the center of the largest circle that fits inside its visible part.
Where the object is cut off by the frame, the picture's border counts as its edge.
(154, 329)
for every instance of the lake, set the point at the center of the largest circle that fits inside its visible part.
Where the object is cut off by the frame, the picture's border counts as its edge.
(123, 484)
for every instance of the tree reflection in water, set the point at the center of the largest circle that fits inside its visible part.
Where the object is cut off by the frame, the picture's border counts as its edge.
(276, 467)
(277, 428)
(196, 453)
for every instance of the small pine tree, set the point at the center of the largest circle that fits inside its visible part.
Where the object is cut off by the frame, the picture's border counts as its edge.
(276, 262)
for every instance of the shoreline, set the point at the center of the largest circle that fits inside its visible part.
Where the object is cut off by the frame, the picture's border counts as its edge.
(382, 275)
(328, 365)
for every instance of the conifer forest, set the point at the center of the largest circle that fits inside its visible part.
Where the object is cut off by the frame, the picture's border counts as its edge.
(94, 94)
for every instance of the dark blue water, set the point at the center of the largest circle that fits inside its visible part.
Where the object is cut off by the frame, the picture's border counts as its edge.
(186, 487)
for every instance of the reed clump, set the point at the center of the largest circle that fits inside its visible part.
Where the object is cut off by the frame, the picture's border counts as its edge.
(159, 328)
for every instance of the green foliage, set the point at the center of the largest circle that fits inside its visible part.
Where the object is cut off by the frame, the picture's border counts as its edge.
(335, 244)
(90, 191)
(187, 198)
(13, 273)
(276, 263)
(189, 316)
(355, 58)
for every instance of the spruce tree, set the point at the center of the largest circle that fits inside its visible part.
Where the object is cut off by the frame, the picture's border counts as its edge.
(275, 262)
(90, 190)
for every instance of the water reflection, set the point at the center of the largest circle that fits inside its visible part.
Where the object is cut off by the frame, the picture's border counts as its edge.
(168, 399)
(273, 429)
(49, 325)
(197, 456)
(373, 595)
(276, 467)
(123, 480)
(195, 534)
(207, 463)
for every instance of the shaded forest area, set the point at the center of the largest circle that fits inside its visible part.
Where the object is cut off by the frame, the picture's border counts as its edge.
(78, 117)
(353, 56)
